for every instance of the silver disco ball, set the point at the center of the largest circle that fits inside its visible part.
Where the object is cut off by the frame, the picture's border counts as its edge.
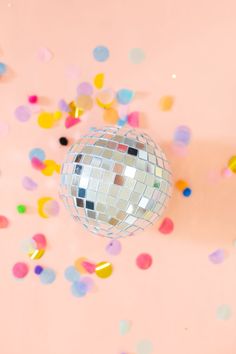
(115, 181)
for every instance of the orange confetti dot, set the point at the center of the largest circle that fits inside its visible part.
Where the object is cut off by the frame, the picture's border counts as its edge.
(166, 103)
(110, 116)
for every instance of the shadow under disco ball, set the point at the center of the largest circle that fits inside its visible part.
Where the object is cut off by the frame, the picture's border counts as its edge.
(115, 181)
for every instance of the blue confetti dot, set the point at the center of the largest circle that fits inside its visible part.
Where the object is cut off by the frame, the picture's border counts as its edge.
(71, 274)
(122, 121)
(124, 96)
(187, 192)
(37, 152)
(38, 269)
(101, 53)
(47, 276)
(3, 68)
(79, 289)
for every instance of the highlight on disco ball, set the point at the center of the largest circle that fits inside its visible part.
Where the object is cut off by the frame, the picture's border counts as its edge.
(115, 181)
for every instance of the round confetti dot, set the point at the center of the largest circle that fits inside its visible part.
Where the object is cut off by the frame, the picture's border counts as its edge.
(22, 113)
(29, 184)
(223, 312)
(182, 135)
(101, 53)
(37, 164)
(104, 269)
(144, 347)
(79, 265)
(144, 261)
(37, 153)
(167, 226)
(110, 116)
(133, 119)
(99, 81)
(21, 208)
(33, 99)
(20, 270)
(85, 88)
(84, 102)
(89, 283)
(166, 103)
(63, 141)
(63, 106)
(71, 274)
(4, 222)
(47, 276)
(136, 55)
(114, 247)
(232, 164)
(124, 327)
(46, 120)
(3, 68)
(40, 241)
(51, 208)
(187, 192)
(89, 267)
(124, 96)
(181, 185)
(38, 269)
(217, 256)
(79, 289)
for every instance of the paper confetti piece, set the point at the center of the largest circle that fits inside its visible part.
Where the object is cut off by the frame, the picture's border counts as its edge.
(182, 135)
(36, 254)
(50, 167)
(71, 274)
(99, 81)
(41, 203)
(4, 222)
(48, 276)
(104, 270)
(232, 164)
(144, 261)
(38, 164)
(79, 265)
(40, 241)
(71, 121)
(22, 113)
(124, 327)
(29, 184)
(101, 53)
(89, 267)
(46, 120)
(110, 116)
(124, 96)
(89, 283)
(38, 269)
(223, 312)
(166, 103)
(105, 98)
(136, 55)
(20, 270)
(114, 247)
(217, 256)
(133, 119)
(38, 153)
(63, 106)
(3, 69)
(85, 88)
(167, 226)
(51, 208)
(84, 102)
(79, 289)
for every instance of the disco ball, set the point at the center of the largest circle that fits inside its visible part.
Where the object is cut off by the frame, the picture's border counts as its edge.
(115, 181)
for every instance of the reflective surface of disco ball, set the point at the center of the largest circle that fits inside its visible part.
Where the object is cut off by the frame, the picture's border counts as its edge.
(115, 181)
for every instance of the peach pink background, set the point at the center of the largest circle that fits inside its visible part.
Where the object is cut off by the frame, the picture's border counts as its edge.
(173, 304)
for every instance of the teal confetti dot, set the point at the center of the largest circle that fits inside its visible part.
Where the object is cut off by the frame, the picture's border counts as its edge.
(38, 153)
(101, 53)
(136, 55)
(124, 96)
(71, 274)
(223, 312)
(3, 68)
(47, 276)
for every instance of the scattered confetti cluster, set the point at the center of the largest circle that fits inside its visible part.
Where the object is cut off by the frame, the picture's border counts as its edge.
(183, 187)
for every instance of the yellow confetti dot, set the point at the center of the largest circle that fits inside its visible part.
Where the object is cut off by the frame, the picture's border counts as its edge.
(166, 103)
(41, 203)
(181, 185)
(110, 116)
(104, 269)
(50, 168)
(105, 98)
(85, 102)
(57, 115)
(36, 254)
(46, 120)
(232, 164)
(99, 81)
(78, 265)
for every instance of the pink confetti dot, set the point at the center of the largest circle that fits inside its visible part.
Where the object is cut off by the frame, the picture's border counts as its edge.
(133, 119)
(144, 261)
(20, 270)
(37, 164)
(22, 113)
(167, 226)
(4, 222)
(217, 256)
(89, 267)
(29, 184)
(40, 241)
(33, 99)
(71, 121)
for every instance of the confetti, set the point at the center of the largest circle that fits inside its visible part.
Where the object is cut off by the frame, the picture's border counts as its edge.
(181, 185)
(217, 256)
(187, 192)
(84, 102)
(79, 289)
(99, 81)
(167, 226)
(124, 96)
(124, 327)
(4, 222)
(85, 88)
(36, 254)
(38, 269)
(232, 164)
(110, 116)
(40, 241)
(166, 103)
(182, 135)
(104, 269)
(79, 265)
(136, 55)
(71, 121)
(41, 203)
(89, 283)
(33, 99)
(44, 55)
(114, 247)
(144, 261)
(63, 141)
(133, 119)
(20, 270)
(38, 164)
(50, 167)
(89, 267)
(38, 153)
(63, 106)
(29, 184)
(3, 69)
(46, 120)
(47, 276)
(223, 312)
(105, 98)
(144, 347)
(22, 113)
(21, 208)
(101, 53)
(71, 274)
